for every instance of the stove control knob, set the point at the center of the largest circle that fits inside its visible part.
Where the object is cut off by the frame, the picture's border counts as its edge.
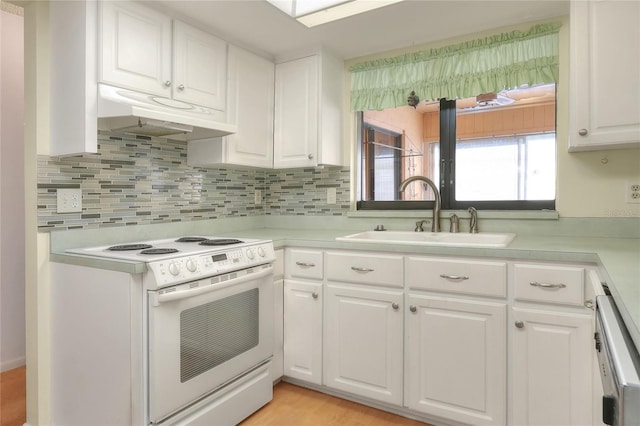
(174, 268)
(261, 252)
(250, 254)
(191, 265)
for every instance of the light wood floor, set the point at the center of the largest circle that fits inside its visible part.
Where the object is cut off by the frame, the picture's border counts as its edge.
(296, 406)
(13, 411)
(291, 406)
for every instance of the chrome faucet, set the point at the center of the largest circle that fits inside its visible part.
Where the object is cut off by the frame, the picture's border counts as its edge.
(419, 224)
(435, 223)
(453, 227)
(473, 223)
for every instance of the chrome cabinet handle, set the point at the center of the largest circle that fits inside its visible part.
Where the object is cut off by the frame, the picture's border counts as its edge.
(583, 132)
(412, 308)
(454, 277)
(167, 83)
(306, 265)
(310, 156)
(314, 294)
(395, 306)
(519, 324)
(546, 285)
(357, 269)
(181, 87)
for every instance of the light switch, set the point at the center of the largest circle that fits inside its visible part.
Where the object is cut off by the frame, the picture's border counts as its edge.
(331, 195)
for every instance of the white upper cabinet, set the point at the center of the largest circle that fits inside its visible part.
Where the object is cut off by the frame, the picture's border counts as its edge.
(308, 112)
(74, 92)
(249, 106)
(136, 48)
(604, 109)
(144, 50)
(199, 67)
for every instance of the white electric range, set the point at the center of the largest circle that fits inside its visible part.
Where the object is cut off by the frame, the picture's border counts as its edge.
(198, 324)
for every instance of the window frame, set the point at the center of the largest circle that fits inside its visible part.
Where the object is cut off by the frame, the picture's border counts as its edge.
(447, 182)
(370, 159)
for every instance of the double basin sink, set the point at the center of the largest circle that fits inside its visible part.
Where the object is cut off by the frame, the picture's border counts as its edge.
(483, 239)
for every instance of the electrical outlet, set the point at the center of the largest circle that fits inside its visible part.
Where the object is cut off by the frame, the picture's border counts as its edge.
(258, 197)
(69, 200)
(632, 191)
(331, 195)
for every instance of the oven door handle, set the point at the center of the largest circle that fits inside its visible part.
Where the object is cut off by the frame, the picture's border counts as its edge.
(183, 294)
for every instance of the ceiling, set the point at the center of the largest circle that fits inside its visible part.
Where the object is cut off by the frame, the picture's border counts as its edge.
(256, 25)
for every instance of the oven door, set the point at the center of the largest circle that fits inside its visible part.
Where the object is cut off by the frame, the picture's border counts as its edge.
(206, 333)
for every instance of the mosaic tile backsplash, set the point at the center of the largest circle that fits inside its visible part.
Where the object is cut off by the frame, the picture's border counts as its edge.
(135, 180)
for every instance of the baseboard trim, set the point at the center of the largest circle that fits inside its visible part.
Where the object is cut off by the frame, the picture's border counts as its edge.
(12, 363)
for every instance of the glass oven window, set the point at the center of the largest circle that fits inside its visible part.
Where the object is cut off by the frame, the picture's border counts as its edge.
(216, 332)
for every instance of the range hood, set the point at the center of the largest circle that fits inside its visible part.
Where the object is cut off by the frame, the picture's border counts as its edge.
(123, 110)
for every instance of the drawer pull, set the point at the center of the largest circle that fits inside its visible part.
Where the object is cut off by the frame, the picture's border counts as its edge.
(454, 277)
(314, 294)
(395, 306)
(357, 269)
(413, 309)
(547, 285)
(306, 265)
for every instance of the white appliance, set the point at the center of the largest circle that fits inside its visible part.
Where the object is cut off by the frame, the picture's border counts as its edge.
(129, 111)
(206, 328)
(619, 365)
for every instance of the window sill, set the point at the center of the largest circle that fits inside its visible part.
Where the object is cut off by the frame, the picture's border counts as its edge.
(485, 214)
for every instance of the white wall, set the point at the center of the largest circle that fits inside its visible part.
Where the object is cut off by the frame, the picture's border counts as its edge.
(12, 278)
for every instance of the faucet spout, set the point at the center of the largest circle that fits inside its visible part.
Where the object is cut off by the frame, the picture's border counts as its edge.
(435, 223)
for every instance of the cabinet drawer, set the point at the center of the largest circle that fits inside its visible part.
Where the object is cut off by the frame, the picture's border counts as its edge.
(300, 263)
(549, 284)
(372, 269)
(457, 276)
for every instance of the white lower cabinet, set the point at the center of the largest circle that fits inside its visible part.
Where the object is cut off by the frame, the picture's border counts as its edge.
(303, 330)
(456, 359)
(551, 375)
(277, 363)
(363, 343)
(449, 340)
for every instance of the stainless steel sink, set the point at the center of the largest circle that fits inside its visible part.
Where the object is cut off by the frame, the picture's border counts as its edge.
(483, 239)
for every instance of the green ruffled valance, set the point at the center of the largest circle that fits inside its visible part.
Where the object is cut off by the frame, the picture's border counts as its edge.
(488, 65)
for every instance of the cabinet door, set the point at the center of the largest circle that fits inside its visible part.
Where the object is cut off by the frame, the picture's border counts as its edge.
(296, 113)
(605, 75)
(551, 368)
(363, 342)
(199, 67)
(136, 47)
(456, 359)
(250, 106)
(303, 330)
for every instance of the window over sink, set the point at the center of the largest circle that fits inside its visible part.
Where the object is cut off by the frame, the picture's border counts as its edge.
(477, 118)
(492, 151)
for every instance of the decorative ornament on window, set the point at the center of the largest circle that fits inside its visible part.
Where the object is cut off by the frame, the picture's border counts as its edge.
(412, 99)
